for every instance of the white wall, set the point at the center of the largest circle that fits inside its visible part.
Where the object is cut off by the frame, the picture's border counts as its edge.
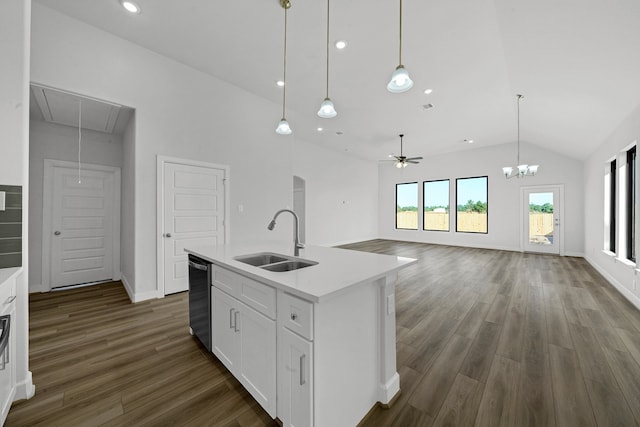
(504, 195)
(623, 276)
(180, 112)
(341, 195)
(57, 142)
(128, 195)
(14, 143)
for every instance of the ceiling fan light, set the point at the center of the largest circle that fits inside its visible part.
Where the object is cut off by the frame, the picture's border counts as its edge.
(327, 110)
(399, 164)
(400, 80)
(507, 171)
(533, 169)
(404, 164)
(283, 127)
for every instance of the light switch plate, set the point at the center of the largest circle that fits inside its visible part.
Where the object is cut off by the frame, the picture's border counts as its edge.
(2, 200)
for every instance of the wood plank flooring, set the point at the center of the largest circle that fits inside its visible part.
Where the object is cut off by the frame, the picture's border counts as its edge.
(484, 338)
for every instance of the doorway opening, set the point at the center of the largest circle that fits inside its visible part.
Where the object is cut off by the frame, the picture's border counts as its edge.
(541, 214)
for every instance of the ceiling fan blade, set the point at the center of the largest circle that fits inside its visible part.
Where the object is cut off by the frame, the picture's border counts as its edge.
(414, 158)
(412, 161)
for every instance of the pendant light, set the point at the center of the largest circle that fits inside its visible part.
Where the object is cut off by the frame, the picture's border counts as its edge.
(521, 170)
(400, 80)
(283, 126)
(327, 110)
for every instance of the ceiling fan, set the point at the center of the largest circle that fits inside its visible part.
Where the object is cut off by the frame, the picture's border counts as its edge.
(402, 161)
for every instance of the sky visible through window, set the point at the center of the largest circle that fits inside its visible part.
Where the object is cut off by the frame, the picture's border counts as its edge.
(540, 198)
(436, 193)
(408, 194)
(472, 189)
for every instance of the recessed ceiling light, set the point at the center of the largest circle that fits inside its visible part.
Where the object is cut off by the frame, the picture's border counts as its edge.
(339, 133)
(320, 129)
(341, 44)
(428, 91)
(130, 6)
(469, 141)
(280, 83)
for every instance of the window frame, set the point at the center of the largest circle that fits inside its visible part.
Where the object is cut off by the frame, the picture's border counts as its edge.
(631, 178)
(448, 230)
(417, 205)
(613, 200)
(487, 193)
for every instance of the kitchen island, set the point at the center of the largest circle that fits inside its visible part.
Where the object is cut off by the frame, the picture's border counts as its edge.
(314, 346)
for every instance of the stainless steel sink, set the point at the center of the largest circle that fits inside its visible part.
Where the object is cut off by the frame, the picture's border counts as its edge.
(261, 259)
(275, 262)
(288, 265)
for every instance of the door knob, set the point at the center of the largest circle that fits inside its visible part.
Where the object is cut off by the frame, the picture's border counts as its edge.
(167, 235)
(57, 233)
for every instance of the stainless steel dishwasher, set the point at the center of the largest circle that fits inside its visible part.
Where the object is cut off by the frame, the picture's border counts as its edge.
(200, 299)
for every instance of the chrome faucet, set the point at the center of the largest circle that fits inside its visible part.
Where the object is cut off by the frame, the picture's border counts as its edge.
(297, 245)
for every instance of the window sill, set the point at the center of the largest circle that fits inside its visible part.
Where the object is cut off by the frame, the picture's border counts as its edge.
(626, 262)
(608, 253)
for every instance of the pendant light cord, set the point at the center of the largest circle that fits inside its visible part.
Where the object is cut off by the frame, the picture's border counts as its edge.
(518, 104)
(400, 50)
(284, 77)
(328, 48)
(79, 139)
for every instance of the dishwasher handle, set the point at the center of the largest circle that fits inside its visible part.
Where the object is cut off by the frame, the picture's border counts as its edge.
(197, 266)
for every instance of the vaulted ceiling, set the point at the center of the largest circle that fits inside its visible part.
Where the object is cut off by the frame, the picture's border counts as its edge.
(576, 62)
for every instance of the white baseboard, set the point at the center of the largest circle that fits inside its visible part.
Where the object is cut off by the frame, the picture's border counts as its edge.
(633, 299)
(575, 254)
(25, 388)
(137, 296)
(128, 288)
(39, 287)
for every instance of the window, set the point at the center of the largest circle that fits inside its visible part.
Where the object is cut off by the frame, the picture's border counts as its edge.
(612, 206)
(407, 206)
(631, 204)
(472, 209)
(436, 205)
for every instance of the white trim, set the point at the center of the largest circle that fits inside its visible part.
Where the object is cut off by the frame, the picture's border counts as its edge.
(560, 188)
(128, 288)
(47, 202)
(25, 389)
(633, 299)
(625, 262)
(160, 163)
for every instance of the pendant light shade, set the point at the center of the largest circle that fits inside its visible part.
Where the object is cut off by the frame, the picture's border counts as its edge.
(400, 80)
(283, 126)
(327, 110)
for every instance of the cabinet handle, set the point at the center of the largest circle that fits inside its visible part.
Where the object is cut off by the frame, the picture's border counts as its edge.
(235, 323)
(302, 379)
(294, 316)
(10, 299)
(231, 325)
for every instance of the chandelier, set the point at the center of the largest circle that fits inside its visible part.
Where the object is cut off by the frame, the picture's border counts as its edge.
(521, 170)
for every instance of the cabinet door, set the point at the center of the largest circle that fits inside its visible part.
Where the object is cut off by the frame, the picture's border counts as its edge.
(223, 329)
(258, 356)
(295, 385)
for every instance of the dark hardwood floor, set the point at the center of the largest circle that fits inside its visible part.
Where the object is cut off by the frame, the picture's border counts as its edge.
(485, 338)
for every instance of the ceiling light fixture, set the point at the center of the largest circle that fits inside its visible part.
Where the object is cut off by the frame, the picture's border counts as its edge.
(341, 44)
(283, 126)
(521, 170)
(130, 6)
(400, 80)
(327, 110)
(279, 83)
(428, 91)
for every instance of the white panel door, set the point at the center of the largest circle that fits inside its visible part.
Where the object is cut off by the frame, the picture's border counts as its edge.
(194, 209)
(541, 211)
(82, 226)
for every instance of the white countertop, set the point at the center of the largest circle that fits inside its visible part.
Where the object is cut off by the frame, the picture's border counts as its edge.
(8, 273)
(336, 271)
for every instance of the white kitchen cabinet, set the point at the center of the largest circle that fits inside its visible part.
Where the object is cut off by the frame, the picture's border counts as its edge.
(8, 356)
(245, 341)
(295, 381)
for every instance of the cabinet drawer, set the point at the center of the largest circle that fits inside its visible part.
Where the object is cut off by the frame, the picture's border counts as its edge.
(296, 314)
(7, 293)
(256, 295)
